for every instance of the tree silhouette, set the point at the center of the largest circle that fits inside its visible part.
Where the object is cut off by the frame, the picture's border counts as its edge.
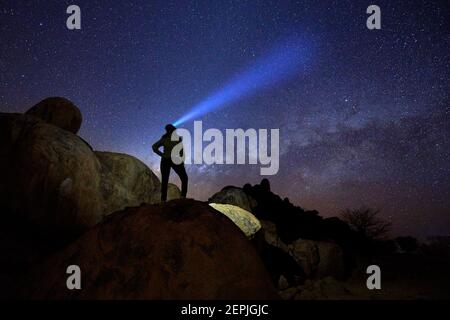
(366, 222)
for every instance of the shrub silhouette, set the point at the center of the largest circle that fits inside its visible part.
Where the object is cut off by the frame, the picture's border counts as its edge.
(365, 221)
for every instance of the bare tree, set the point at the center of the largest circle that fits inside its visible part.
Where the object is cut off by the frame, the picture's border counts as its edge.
(366, 222)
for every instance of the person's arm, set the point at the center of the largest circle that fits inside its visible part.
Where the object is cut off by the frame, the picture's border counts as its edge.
(156, 147)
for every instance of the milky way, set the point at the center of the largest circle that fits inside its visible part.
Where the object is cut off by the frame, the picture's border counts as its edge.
(366, 124)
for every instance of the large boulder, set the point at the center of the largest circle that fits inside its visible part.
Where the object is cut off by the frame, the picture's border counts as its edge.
(235, 196)
(59, 112)
(53, 178)
(126, 182)
(318, 259)
(246, 221)
(180, 249)
(270, 234)
(50, 176)
(292, 222)
(173, 192)
(331, 260)
(283, 268)
(306, 254)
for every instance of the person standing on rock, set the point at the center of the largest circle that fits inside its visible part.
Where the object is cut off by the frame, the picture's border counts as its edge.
(169, 141)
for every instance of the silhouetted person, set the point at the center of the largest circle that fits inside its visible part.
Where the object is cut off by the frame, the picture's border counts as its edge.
(167, 163)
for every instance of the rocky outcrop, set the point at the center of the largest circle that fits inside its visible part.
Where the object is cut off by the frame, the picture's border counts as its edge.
(246, 221)
(181, 249)
(318, 259)
(50, 176)
(126, 182)
(270, 233)
(292, 222)
(234, 196)
(306, 254)
(281, 266)
(59, 112)
(55, 181)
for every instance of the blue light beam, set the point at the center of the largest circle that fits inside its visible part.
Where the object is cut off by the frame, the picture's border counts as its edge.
(282, 62)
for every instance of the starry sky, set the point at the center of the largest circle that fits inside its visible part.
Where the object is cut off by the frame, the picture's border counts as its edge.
(366, 122)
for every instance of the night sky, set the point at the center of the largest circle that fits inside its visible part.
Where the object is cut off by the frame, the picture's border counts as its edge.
(366, 121)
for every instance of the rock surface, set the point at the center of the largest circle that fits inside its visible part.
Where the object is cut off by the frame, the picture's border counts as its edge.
(181, 249)
(331, 260)
(246, 221)
(126, 182)
(306, 254)
(59, 112)
(318, 259)
(53, 178)
(270, 233)
(173, 192)
(50, 176)
(235, 196)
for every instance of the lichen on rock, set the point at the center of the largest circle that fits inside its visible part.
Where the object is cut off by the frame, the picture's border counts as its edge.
(246, 221)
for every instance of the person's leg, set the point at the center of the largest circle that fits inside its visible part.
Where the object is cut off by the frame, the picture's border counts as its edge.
(165, 172)
(181, 171)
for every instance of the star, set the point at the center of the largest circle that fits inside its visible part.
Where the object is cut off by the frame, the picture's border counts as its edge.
(364, 121)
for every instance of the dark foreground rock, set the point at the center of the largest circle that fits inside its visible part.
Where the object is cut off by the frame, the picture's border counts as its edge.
(178, 250)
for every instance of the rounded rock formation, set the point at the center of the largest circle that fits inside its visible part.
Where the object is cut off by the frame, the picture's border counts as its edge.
(126, 182)
(50, 176)
(173, 192)
(59, 112)
(181, 249)
(235, 196)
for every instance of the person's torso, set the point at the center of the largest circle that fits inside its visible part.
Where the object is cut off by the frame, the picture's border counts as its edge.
(169, 145)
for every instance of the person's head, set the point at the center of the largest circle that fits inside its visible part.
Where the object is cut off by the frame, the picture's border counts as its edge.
(170, 128)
